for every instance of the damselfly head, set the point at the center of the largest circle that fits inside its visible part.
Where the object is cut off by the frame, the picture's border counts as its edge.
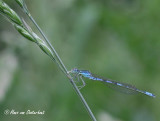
(75, 70)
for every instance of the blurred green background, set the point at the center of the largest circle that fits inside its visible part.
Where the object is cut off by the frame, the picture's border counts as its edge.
(117, 39)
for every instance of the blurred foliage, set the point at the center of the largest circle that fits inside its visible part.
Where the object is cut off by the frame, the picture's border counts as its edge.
(118, 39)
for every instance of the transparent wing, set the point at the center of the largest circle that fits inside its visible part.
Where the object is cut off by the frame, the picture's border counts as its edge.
(126, 88)
(122, 87)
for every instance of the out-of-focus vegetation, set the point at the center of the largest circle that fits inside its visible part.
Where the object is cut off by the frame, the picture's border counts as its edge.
(118, 39)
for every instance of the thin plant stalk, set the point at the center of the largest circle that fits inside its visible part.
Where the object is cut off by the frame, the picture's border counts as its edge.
(64, 70)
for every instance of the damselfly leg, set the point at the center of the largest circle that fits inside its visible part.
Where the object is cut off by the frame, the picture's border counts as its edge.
(78, 78)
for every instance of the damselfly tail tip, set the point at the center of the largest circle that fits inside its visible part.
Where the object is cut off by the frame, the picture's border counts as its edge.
(150, 94)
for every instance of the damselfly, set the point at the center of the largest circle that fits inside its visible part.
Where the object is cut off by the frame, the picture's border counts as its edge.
(124, 86)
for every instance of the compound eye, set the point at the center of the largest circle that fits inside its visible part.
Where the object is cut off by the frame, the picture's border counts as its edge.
(75, 70)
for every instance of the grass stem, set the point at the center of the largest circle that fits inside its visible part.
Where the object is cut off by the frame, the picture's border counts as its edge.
(64, 69)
